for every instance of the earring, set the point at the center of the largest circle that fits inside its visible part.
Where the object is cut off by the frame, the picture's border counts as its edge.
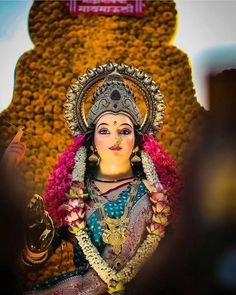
(93, 158)
(135, 158)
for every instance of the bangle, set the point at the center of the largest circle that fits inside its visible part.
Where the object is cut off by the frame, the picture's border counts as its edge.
(34, 255)
(27, 260)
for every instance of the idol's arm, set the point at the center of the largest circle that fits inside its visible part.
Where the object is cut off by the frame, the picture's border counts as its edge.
(39, 233)
(15, 151)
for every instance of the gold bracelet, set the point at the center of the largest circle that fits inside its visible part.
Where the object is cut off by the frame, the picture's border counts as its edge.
(27, 260)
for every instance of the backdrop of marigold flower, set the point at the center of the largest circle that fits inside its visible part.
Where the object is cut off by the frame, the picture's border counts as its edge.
(65, 46)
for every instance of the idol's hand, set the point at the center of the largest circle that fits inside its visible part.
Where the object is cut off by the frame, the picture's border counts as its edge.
(40, 227)
(15, 151)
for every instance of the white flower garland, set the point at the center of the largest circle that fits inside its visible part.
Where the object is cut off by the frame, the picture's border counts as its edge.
(95, 260)
(106, 273)
(80, 164)
(150, 171)
(149, 168)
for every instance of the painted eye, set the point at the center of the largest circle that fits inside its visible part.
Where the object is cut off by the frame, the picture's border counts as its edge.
(125, 131)
(103, 131)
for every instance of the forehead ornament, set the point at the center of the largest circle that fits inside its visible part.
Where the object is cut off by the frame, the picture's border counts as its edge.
(114, 95)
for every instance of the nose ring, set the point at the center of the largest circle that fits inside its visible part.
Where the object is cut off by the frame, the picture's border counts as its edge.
(118, 142)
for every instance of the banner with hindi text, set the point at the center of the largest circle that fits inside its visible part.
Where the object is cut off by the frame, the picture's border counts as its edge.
(106, 7)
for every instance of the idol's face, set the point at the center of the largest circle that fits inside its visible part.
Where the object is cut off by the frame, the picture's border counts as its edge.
(114, 137)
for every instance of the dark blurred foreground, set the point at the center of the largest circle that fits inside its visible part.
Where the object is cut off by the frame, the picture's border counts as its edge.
(12, 220)
(200, 256)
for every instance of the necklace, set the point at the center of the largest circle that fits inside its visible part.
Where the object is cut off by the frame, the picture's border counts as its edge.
(113, 180)
(115, 231)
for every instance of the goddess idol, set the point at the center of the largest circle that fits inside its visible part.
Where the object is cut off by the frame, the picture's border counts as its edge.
(111, 194)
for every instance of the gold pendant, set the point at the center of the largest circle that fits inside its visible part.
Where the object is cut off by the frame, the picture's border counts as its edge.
(115, 237)
(117, 233)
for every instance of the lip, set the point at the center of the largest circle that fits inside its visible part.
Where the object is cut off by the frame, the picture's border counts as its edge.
(115, 148)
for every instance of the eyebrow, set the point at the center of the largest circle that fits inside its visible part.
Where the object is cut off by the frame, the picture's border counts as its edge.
(126, 124)
(102, 124)
(120, 125)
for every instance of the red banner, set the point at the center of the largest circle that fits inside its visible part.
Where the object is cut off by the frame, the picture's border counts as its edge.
(106, 7)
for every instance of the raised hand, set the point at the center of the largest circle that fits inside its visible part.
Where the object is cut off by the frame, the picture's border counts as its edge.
(15, 151)
(40, 228)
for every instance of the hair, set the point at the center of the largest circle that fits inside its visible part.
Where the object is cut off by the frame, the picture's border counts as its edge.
(91, 167)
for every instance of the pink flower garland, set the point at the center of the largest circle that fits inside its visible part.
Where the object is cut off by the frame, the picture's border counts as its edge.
(59, 183)
(60, 180)
(166, 169)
